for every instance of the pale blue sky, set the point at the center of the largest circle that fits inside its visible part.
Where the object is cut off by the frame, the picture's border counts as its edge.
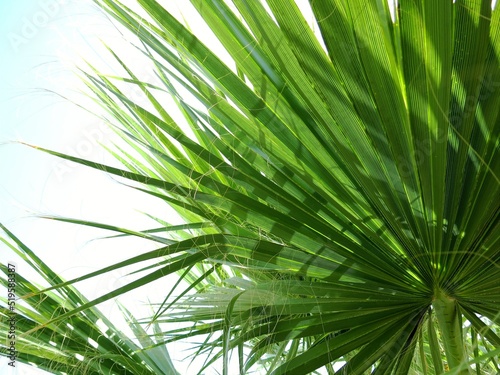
(38, 41)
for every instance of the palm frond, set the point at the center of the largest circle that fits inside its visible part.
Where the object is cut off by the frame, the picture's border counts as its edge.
(347, 181)
(85, 343)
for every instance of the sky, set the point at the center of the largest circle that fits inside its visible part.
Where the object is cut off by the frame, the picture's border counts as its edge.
(41, 43)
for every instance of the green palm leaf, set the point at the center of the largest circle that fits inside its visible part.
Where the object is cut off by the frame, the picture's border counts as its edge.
(340, 188)
(86, 343)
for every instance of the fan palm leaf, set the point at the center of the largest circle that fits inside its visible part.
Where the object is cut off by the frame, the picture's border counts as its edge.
(340, 187)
